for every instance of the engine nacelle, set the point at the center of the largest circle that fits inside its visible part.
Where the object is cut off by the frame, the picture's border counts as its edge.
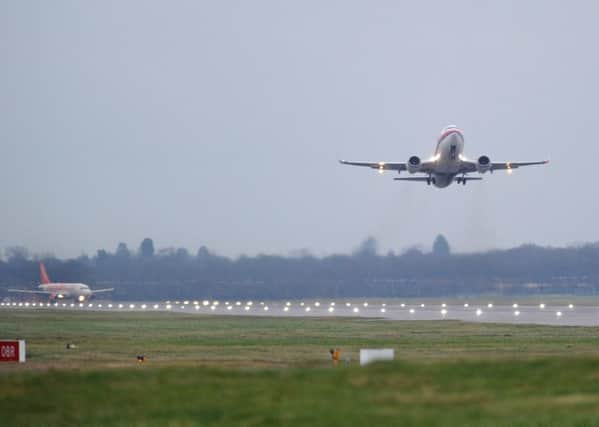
(414, 164)
(483, 164)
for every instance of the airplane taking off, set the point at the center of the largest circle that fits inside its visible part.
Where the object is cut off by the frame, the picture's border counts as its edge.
(76, 291)
(448, 163)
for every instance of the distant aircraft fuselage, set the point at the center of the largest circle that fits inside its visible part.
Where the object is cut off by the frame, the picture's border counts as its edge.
(76, 291)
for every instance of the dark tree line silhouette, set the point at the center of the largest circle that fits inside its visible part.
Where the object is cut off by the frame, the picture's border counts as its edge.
(176, 274)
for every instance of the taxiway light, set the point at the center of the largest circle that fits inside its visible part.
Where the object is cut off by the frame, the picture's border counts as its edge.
(515, 305)
(443, 305)
(205, 302)
(238, 303)
(250, 303)
(26, 304)
(384, 305)
(80, 305)
(287, 303)
(216, 303)
(90, 305)
(55, 304)
(402, 305)
(443, 312)
(356, 310)
(99, 305)
(421, 305)
(226, 302)
(265, 308)
(558, 314)
(490, 305)
(120, 305)
(308, 309)
(33, 304)
(212, 307)
(383, 310)
(331, 309)
(131, 305)
(109, 305)
(20, 304)
(229, 307)
(542, 306)
(516, 313)
(570, 306)
(302, 304)
(479, 312)
(365, 304)
(182, 307)
(247, 307)
(156, 306)
(261, 302)
(412, 311)
(168, 306)
(332, 304)
(185, 302)
(317, 304)
(348, 304)
(466, 305)
(143, 306)
(286, 308)
(197, 307)
(196, 302)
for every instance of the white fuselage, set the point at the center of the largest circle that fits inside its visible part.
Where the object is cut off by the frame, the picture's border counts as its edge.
(77, 291)
(448, 157)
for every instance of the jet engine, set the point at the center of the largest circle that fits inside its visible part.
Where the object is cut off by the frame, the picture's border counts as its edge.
(483, 164)
(414, 164)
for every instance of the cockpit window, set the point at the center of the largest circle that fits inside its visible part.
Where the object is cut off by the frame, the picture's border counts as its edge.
(446, 128)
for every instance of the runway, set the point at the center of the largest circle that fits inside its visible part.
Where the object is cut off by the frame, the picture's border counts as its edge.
(558, 313)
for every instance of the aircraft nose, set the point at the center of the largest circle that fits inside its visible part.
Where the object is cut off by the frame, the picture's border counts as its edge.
(455, 137)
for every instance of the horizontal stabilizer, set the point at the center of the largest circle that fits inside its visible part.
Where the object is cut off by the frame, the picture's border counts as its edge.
(25, 291)
(413, 178)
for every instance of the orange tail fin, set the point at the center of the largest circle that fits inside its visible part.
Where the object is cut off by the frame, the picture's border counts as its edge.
(44, 275)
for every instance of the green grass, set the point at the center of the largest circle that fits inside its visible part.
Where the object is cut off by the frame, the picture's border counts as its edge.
(219, 371)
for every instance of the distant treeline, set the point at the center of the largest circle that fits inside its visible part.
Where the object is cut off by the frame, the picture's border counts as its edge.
(177, 274)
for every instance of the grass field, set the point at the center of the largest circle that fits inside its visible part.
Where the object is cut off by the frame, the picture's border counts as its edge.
(217, 371)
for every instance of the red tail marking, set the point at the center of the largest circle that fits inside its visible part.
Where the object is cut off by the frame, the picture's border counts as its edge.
(44, 275)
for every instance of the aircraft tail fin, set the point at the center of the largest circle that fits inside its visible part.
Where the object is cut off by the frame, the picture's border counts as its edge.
(44, 279)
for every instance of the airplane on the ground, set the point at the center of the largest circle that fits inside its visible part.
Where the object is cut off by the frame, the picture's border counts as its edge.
(77, 291)
(448, 163)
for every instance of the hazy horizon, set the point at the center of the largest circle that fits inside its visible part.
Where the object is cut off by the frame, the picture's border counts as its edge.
(221, 123)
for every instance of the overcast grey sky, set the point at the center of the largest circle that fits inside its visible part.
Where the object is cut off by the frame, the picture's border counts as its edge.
(220, 123)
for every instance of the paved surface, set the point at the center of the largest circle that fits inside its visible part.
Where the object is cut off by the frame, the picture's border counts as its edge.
(548, 314)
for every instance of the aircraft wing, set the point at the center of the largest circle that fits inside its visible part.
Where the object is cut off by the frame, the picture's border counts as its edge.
(95, 291)
(469, 167)
(514, 165)
(381, 166)
(24, 291)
